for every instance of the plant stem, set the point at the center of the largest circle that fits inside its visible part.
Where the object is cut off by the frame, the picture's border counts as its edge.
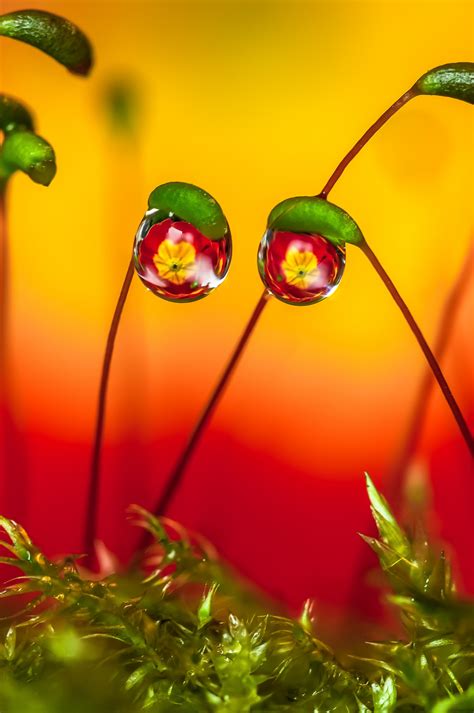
(396, 477)
(3, 279)
(4, 405)
(430, 357)
(198, 430)
(94, 483)
(13, 453)
(341, 167)
(4, 274)
(358, 600)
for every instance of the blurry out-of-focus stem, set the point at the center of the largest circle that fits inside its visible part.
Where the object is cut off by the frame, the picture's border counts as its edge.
(12, 450)
(94, 482)
(4, 255)
(396, 477)
(4, 291)
(430, 357)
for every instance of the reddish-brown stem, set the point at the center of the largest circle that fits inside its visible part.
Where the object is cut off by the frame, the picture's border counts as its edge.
(341, 167)
(396, 476)
(94, 483)
(200, 426)
(13, 451)
(4, 274)
(4, 405)
(430, 357)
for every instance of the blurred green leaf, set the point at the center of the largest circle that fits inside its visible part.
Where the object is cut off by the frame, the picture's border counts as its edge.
(463, 703)
(14, 115)
(121, 101)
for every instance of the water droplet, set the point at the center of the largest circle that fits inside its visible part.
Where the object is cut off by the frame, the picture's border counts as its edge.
(176, 261)
(300, 268)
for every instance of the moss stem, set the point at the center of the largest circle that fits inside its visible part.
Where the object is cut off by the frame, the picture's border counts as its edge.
(4, 274)
(4, 405)
(396, 476)
(13, 451)
(341, 167)
(203, 420)
(94, 483)
(430, 357)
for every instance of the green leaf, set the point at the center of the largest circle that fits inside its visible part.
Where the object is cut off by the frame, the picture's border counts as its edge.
(464, 703)
(311, 214)
(191, 204)
(306, 617)
(10, 643)
(28, 152)
(14, 115)
(455, 80)
(21, 542)
(389, 530)
(384, 696)
(204, 609)
(52, 34)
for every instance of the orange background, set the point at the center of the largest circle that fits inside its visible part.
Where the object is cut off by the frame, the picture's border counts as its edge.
(255, 102)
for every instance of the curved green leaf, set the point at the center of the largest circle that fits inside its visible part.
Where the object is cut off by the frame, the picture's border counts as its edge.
(28, 152)
(456, 704)
(193, 205)
(454, 80)
(310, 214)
(52, 34)
(14, 115)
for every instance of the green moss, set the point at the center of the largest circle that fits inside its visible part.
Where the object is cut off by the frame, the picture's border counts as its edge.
(190, 637)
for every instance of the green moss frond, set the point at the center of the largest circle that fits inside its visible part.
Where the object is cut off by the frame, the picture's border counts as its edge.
(188, 635)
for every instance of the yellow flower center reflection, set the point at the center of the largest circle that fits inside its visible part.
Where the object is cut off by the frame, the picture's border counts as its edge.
(175, 261)
(300, 267)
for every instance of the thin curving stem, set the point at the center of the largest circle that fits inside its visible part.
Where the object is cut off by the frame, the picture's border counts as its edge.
(94, 483)
(430, 357)
(200, 426)
(337, 173)
(13, 452)
(396, 476)
(4, 277)
(342, 165)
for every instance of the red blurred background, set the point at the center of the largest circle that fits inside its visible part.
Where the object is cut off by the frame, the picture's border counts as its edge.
(254, 102)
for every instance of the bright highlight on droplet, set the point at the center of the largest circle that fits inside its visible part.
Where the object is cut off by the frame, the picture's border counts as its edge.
(176, 261)
(300, 268)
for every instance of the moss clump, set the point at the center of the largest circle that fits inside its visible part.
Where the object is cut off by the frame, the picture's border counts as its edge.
(188, 637)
